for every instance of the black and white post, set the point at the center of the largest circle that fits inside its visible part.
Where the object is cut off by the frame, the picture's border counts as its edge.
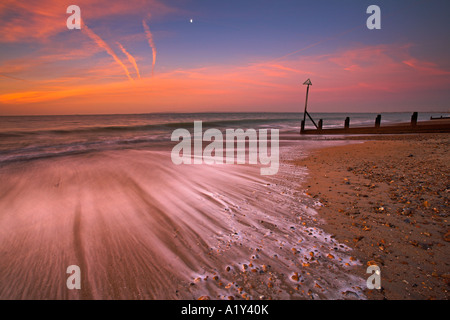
(308, 83)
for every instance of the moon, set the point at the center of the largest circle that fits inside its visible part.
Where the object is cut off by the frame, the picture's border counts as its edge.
(191, 20)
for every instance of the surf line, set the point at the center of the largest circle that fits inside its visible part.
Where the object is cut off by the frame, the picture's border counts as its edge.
(213, 153)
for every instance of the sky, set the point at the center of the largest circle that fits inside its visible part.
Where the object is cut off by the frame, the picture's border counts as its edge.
(143, 56)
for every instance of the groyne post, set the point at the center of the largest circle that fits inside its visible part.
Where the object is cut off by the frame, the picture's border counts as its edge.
(378, 121)
(307, 83)
(347, 123)
(414, 119)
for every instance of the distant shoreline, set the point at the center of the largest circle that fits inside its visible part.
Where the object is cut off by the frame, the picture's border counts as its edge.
(214, 112)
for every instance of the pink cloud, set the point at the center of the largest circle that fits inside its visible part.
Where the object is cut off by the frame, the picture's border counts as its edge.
(31, 21)
(363, 77)
(426, 67)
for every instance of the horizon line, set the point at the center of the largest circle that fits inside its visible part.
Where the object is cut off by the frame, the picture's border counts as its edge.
(211, 112)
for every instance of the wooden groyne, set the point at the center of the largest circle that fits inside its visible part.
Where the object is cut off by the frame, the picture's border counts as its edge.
(438, 118)
(414, 126)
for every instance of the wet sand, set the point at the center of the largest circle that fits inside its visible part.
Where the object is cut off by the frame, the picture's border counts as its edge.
(140, 227)
(388, 199)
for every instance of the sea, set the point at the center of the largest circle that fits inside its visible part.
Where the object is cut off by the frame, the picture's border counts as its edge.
(25, 138)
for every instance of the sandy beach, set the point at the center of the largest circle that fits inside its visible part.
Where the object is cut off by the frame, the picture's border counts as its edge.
(388, 199)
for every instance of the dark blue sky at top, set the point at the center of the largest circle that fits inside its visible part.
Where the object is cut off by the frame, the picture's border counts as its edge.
(228, 31)
(246, 31)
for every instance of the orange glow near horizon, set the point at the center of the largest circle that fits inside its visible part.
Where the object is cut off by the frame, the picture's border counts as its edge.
(97, 71)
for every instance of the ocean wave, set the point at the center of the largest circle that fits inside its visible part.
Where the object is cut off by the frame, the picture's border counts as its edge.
(36, 152)
(162, 127)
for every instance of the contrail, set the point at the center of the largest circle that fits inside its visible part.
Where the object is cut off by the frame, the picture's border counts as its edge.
(105, 46)
(130, 58)
(151, 43)
(316, 43)
(14, 78)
